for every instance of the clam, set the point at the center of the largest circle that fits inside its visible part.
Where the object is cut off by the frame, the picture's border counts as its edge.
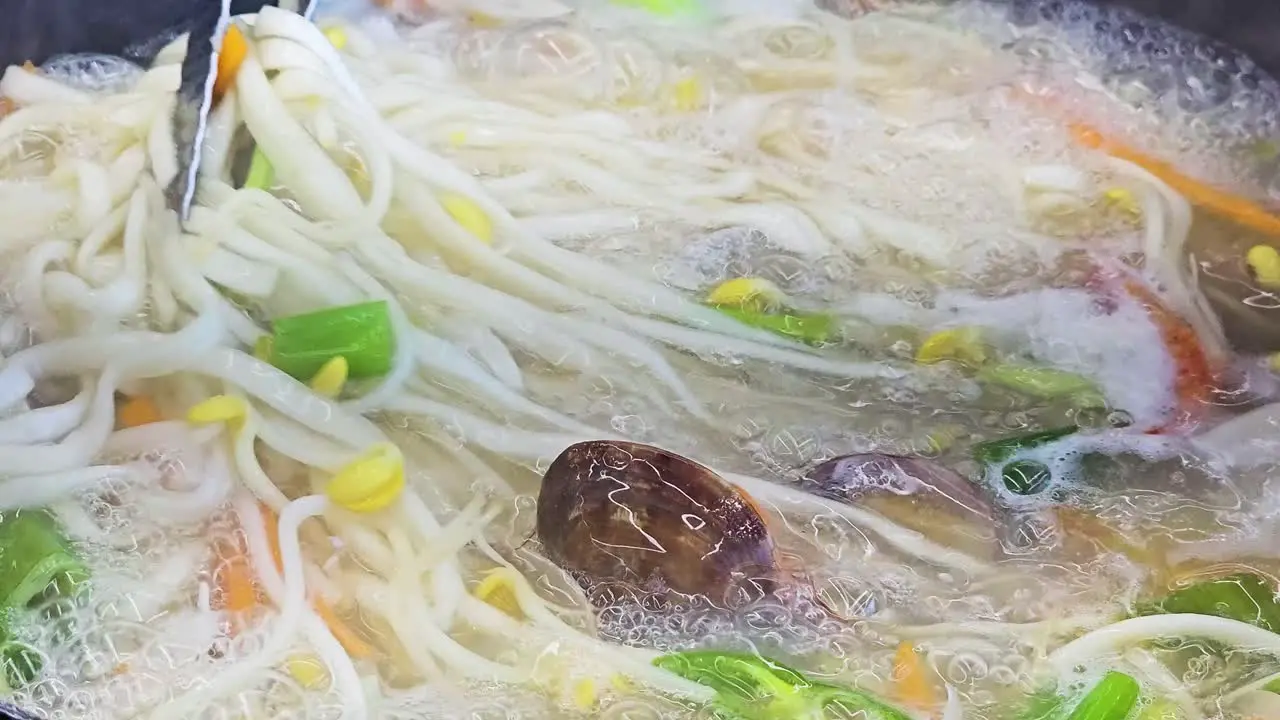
(914, 492)
(640, 516)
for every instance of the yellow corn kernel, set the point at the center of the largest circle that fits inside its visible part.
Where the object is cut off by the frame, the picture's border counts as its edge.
(962, 344)
(308, 671)
(1264, 261)
(371, 482)
(469, 215)
(1273, 362)
(331, 377)
(496, 590)
(218, 409)
(584, 694)
(458, 138)
(1124, 200)
(336, 36)
(263, 348)
(747, 293)
(688, 94)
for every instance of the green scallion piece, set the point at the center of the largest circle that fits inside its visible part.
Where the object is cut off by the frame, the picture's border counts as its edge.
(750, 687)
(302, 344)
(33, 557)
(1244, 597)
(809, 328)
(1040, 382)
(261, 175)
(995, 452)
(1113, 698)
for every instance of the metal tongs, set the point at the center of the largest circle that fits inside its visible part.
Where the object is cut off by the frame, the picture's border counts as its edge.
(195, 99)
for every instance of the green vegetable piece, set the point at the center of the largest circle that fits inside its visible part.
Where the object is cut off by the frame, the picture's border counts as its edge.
(839, 702)
(1273, 686)
(261, 175)
(664, 8)
(1041, 382)
(1244, 597)
(33, 557)
(750, 687)
(1113, 698)
(21, 664)
(1026, 477)
(995, 452)
(362, 333)
(810, 328)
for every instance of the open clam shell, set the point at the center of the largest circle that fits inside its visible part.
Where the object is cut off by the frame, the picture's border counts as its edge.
(640, 515)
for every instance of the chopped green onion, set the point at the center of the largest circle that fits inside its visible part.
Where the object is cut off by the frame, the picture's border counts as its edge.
(261, 174)
(750, 687)
(34, 561)
(1023, 477)
(302, 344)
(1244, 597)
(33, 557)
(1113, 698)
(811, 328)
(995, 452)
(20, 664)
(666, 8)
(1041, 382)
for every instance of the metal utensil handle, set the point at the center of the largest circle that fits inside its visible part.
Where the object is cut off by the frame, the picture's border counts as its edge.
(195, 99)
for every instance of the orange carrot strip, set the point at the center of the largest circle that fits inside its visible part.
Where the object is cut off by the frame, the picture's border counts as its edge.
(135, 411)
(911, 679)
(1240, 210)
(348, 638)
(234, 50)
(350, 641)
(235, 581)
(1194, 380)
(271, 522)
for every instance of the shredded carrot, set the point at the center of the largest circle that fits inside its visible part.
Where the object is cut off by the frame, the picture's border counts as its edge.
(138, 410)
(235, 582)
(350, 641)
(911, 679)
(234, 50)
(348, 638)
(272, 525)
(1241, 211)
(1195, 378)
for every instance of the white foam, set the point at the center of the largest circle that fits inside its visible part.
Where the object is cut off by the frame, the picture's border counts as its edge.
(1121, 350)
(1063, 458)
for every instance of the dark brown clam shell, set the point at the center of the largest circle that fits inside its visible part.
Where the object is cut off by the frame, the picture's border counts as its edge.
(918, 493)
(612, 511)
